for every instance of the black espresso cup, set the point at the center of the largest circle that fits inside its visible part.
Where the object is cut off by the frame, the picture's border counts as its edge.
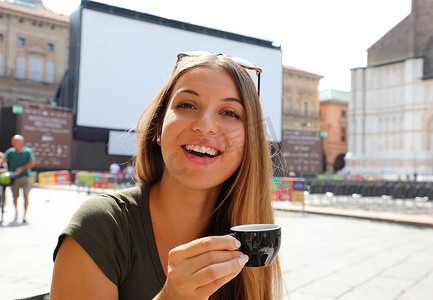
(260, 242)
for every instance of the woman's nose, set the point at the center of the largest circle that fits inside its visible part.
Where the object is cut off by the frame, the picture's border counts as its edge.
(205, 123)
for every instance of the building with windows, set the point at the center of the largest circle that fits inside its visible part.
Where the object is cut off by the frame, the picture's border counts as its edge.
(391, 106)
(33, 60)
(333, 112)
(301, 142)
(33, 52)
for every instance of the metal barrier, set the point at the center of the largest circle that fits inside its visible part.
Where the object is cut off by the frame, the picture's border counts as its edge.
(409, 197)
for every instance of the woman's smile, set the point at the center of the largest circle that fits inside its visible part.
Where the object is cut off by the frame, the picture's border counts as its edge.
(201, 151)
(201, 155)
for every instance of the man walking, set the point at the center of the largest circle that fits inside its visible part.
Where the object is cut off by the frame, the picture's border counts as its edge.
(20, 160)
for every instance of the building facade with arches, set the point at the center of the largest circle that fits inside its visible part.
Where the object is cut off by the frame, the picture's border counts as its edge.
(390, 129)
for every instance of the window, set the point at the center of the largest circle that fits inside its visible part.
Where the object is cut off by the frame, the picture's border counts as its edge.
(343, 113)
(21, 67)
(49, 72)
(305, 109)
(35, 70)
(21, 41)
(1, 37)
(50, 47)
(1, 65)
(343, 134)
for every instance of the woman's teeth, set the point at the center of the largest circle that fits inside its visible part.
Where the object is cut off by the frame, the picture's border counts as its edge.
(201, 149)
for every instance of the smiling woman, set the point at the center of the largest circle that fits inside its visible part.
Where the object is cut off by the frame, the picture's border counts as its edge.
(201, 116)
(204, 166)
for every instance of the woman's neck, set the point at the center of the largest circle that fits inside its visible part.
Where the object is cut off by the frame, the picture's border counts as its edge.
(185, 212)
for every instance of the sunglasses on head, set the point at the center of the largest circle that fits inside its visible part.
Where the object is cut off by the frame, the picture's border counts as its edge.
(240, 61)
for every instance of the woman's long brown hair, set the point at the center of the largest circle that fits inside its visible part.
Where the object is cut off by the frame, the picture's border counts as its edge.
(245, 197)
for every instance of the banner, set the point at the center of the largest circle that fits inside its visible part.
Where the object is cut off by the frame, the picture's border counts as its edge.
(54, 177)
(288, 189)
(95, 180)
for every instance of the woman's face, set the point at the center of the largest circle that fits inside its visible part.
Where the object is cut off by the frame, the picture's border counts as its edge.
(203, 132)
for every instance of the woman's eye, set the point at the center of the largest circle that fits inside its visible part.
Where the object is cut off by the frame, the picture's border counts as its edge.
(184, 105)
(231, 113)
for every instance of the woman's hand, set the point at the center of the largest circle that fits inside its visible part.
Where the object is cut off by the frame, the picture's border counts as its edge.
(198, 269)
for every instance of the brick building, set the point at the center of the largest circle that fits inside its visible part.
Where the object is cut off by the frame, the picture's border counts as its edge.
(33, 51)
(33, 60)
(301, 143)
(391, 107)
(333, 112)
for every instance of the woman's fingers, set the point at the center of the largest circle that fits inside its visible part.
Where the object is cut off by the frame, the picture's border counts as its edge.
(206, 275)
(212, 287)
(203, 245)
(198, 254)
(199, 268)
(213, 257)
(215, 272)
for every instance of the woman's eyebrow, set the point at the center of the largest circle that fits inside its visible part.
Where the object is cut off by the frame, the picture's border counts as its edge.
(192, 92)
(233, 99)
(188, 91)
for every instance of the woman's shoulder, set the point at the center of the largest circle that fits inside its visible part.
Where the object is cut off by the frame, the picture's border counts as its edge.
(114, 216)
(121, 199)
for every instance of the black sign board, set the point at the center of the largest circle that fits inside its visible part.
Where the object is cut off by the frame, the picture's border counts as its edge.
(49, 134)
(302, 151)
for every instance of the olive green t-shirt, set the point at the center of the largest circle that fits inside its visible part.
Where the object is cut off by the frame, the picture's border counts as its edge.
(116, 231)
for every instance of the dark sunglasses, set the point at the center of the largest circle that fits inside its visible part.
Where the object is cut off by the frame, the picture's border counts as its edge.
(240, 61)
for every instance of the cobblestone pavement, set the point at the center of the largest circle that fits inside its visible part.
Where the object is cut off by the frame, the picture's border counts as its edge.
(323, 257)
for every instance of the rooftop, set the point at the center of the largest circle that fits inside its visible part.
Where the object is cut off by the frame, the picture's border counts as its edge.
(32, 7)
(28, 3)
(294, 69)
(334, 95)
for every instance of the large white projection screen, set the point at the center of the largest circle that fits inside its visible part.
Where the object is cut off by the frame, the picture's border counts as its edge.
(125, 62)
(122, 143)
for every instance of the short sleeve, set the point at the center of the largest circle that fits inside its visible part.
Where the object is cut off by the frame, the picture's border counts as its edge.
(8, 153)
(101, 228)
(32, 155)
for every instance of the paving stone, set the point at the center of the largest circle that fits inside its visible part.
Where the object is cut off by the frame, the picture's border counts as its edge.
(323, 257)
